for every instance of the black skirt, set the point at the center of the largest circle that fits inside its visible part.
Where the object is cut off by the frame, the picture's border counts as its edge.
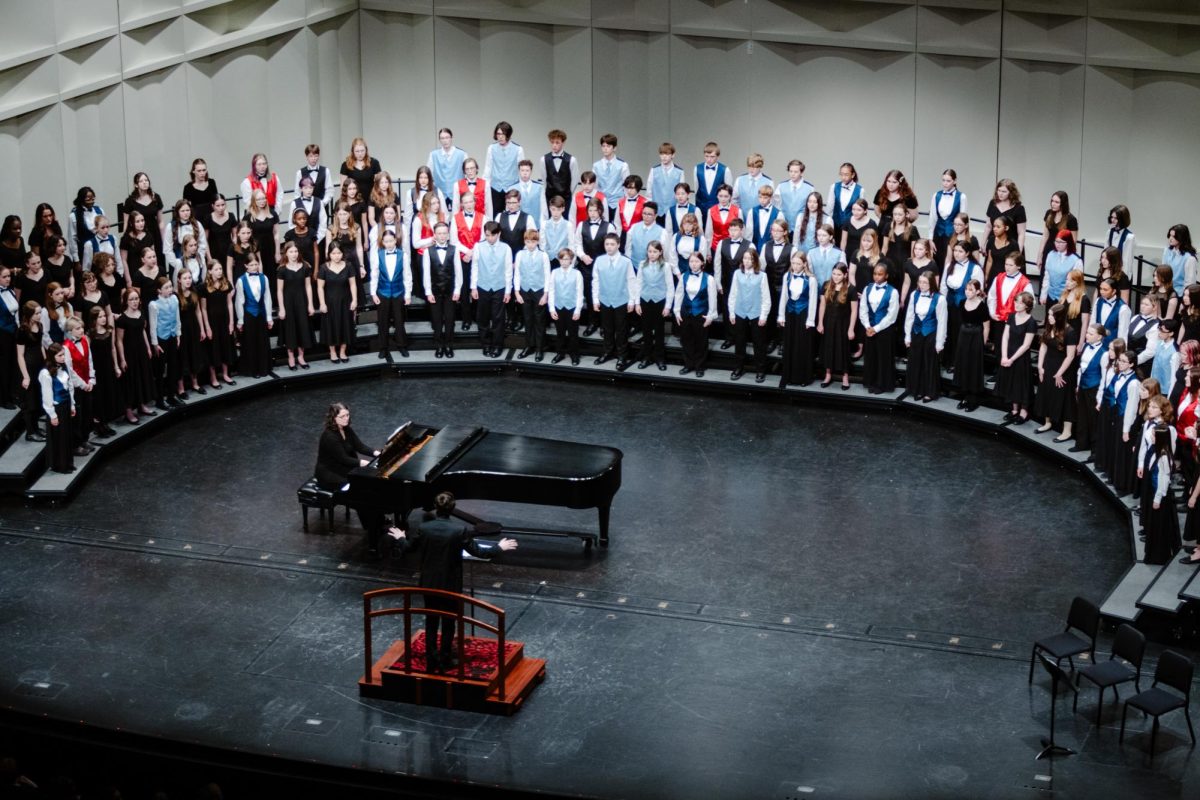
(836, 346)
(1162, 525)
(797, 349)
(879, 361)
(968, 359)
(1053, 403)
(924, 377)
(1124, 457)
(1102, 440)
(1014, 384)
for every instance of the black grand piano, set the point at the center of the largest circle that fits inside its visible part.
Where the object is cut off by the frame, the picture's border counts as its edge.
(419, 461)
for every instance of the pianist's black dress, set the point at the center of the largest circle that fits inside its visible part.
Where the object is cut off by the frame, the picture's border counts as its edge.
(336, 456)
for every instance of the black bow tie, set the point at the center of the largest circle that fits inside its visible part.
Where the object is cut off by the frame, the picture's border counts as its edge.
(441, 247)
(710, 168)
(470, 183)
(468, 214)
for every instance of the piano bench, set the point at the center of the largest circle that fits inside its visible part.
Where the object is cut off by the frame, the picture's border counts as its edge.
(312, 495)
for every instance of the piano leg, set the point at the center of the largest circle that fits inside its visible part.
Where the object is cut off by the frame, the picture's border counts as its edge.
(604, 509)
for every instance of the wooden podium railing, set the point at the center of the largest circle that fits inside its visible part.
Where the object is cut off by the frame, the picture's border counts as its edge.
(461, 621)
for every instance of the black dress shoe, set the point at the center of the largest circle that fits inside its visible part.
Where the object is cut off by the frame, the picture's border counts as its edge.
(382, 354)
(603, 358)
(161, 405)
(760, 377)
(230, 381)
(725, 345)
(623, 365)
(540, 355)
(200, 390)
(34, 437)
(1192, 561)
(81, 451)
(292, 367)
(589, 330)
(685, 371)
(643, 364)
(449, 352)
(845, 387)
(304, 365)
(1076, 449)
(1019, 420)
(699, 373)
(466, 326)
(825, 384)
(736, 374)
(575, 360)
(437, 353)
(525, 353)
(559, 357)
(497, 352)
(961, 404)
(404, 352)
(662, 366)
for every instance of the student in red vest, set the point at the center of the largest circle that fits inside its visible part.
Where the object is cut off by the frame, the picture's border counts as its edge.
(261, 178)
(629, 207)
(83, 377)
(466, 229)
(716, 222)
(579, 202)
(1003, 293)
(475, 185)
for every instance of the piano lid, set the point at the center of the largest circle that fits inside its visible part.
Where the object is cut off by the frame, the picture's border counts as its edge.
(435, 455)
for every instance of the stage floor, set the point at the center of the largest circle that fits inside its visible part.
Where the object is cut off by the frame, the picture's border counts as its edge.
(793, 597)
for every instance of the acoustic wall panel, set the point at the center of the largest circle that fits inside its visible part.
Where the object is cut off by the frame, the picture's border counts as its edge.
(399, 86)
(94, 137)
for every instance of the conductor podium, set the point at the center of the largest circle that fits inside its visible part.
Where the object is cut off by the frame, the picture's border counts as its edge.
(492, 675)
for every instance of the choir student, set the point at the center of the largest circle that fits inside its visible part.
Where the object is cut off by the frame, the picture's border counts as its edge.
(1014, 381)
(1057, 218)
(1165, 358)
(1180, 256)
(1112, 266)
(133, 358)
(491, 287)
(611, 173)
(446, 163)
(360, 167)
(559, 169)
(843, 194)
(194, 334)
(79, 223)
(878, 310)
(808, 222)
(639, 236)
(165, 335)
(1058, 263)
(589, 245)
(466, 231)
(825, 256)
(749, 309)
(565, 299)
(500, 166)
(337, 292)
(531, 274)
(1162, 293)
(102, 241)
(681, 208)
(31, 357)
(662, 179)
(656, 291)
(181, 225)
(1001, 243)
(295, 306)
(252, 308)
(382, 196)
(1112, 312)
(895, 192)
(1075, 299)
(55, 313)
(585, 195)
(58, 403)
(1006, 202)
(775, 258)
(1056, 373)
(630, 207)
(201, 190)
(443, 279)
(44, 225)
(839, 313)
(797, 317)
(59, 266)
(695, 309)
(1189, 314)
(614, 291)
(792, 195)
(1118, 411)
(216, 302)
(533, 196)
(31, 282)
(945, 207)
(1119, 235)
(1090, 375)
(854, 228)
(710, 175)
(747, 188)
(9, 313)
(925, 336)
(107, 405)
(1162, 524)
(1002, 295)
(962, 269)
(974, 321)
(319, 177)
(474, 185)
(261, 179)
(391, 290)
(81, 372)
(719, 218)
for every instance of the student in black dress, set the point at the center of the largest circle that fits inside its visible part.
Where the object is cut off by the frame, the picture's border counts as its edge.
(920, 259)
(1077, 303)
(216, 304)
(349, 236)
(31, 282)
(925, 337)
(838, 321)
(360, 167)
(895, 192)
(900, 236)
(91, 297)
(264, 222)
(304, 238)
(12, 244)
(338, 296)
(58, 404)
(878, 310)
(1189, 315)
(1056, 373)
(194, 334)
(59, 267)
(10, 310)
(241, 248)
(1057, 218)
(31, 357)
(133, 358)
(218, 228)
(201, 190)
(1163, 293)
(974, 322)
(294, 294)
(144, 199)
(1014, 382)
(252, 307)
(1112, 267)
(44, 225)
(107, 404)
(854, 228)
(107, 280)
(145, 277)
(1006, 201)
(1000, 243)
(1162, 522)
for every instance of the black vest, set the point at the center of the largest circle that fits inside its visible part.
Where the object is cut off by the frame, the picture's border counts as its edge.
(594, 247)
(558, 181)
(776, 267)
(441, 270)
(731, 261)
(318, 181)
(314, 216)
(514, 237)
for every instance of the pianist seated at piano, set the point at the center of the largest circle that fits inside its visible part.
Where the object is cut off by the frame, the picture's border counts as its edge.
(339, 452)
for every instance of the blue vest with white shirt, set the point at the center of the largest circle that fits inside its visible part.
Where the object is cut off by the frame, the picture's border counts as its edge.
(62, 391)
(749, 286)
(448, 170)
(1176, 259)
(253, 305)
(167, 319)
(564, 288)
(876, 314)
(556, 236)
(925, 325)
(664, 186)
(1115, 394)
(1112, 321)
(823, 262)
(531, 198)
(504, 164)
(393, 285)
(944, 226)
(653, 281)
(1162, 371)
(8, 320)
(531, 275)
(704, 199)
(1057, 266)
(608, 179)
(695, 306)
(613, 272)
(792, 198)
(1090, 378)
(800, 304)
(839, 213)
(761, 232)
(489, 267)
(639, 236)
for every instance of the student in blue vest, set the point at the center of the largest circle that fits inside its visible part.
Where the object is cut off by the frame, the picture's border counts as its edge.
(791, 195)
(514, 222)
(491, 287)
(1165, 359)
(641, 235)
(691, 239)
(826, 255)
(695, 309)
(565, 298)
(500, 166)
(556, 232)
(878, 310)
(925, 337)
(662, 180)
(443, 286)
(446, 163)
(748, 186)
(1180, 256)
(614, 291)
(749, 310)
(1061, 260)
(1118, 395)
(843, 194)
(655, 296)
(1158, 512)
(391, 291)
(945, 206)
(1088, 376)
(1101, 449)
(710, 175)
(531, 275)
(531, 193)
(166, 329)
(797, 318)
(762, 215)
(611, 173)
(675, 212)
(1125, 425)
(1112, 312)
(58, 403)
(9, 313)
(1056, 373)
(559, 170)
(589, 245)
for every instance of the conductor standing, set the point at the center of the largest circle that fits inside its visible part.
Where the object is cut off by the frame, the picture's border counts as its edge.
(441, 544)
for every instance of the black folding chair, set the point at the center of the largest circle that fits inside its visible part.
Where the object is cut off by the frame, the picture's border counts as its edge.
(1084, 618)
(1124, 665)
(1174, 670)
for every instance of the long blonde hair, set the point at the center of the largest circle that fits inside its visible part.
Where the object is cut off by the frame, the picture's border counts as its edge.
(1074, 299)
(873, 254)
